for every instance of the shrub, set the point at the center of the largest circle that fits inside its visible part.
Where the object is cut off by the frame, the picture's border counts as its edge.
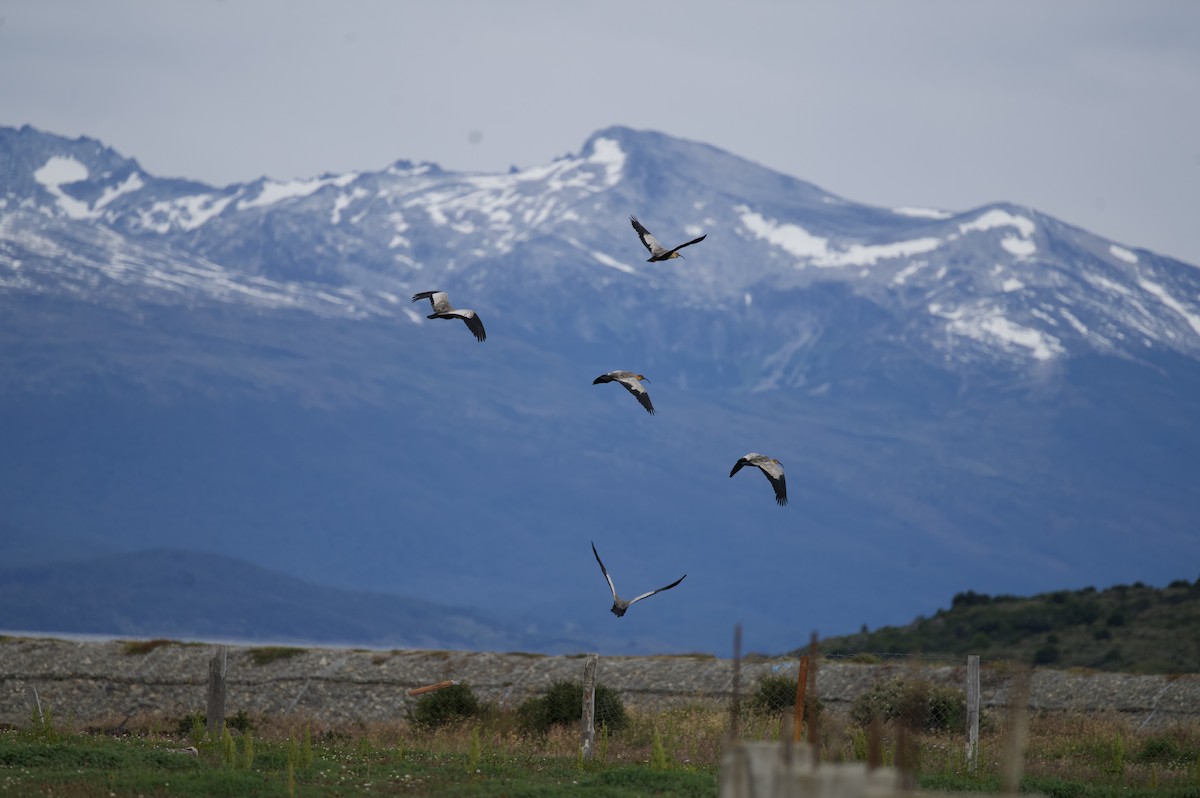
(778, 693)
(1163, 750)
(268, 654)
(444, 706)
(979, 642)
(562, 705)
(774, 694)
(135, 647)
(1046, 655)
(919, 704)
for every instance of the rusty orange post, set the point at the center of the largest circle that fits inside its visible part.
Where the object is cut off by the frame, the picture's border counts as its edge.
(801, 691)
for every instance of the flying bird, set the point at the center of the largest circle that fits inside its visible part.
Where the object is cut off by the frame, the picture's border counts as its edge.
(442, 309)
(630, 381)
(656, 250)
(620, 605)
(771, 468)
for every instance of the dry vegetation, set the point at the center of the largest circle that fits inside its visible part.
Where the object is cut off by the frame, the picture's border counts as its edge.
(1065, 755)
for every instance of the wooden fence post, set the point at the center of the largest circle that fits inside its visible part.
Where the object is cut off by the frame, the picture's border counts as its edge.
(589, 706)
(217, 667)
(972, 709)
(1013, 762)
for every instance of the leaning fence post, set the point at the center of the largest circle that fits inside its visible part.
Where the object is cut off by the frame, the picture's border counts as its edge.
(589, 705)
(217, 667)
(972, 709)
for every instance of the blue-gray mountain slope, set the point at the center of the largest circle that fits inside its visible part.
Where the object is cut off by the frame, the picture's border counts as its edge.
(989, 400)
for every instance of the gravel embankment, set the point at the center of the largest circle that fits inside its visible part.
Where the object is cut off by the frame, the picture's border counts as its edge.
(98, 682)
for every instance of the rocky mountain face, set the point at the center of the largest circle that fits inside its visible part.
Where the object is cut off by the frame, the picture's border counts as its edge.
(990, 399)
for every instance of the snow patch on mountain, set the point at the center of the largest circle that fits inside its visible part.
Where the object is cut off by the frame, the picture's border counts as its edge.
(797, 241)
(181, 213)
(502, 208)
(1171, 302)
(272, 192)
(791, 238)
(987, 324)
(1021, 247)
(127, 186)
(870, 254)
(994, 218)
(608, 153)
(922, 213)
(59, 171)
(900, 277)
(1121, 253)
(343, 201)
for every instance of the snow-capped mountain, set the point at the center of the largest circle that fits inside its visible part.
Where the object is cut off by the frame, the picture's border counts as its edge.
(998, 282)
(1004, 397)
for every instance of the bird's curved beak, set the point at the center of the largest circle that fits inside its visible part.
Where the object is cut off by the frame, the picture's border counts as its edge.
(643, 377)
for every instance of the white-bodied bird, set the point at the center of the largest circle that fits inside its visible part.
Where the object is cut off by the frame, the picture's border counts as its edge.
(656, 250)
(630, 381)
(620, 605)
(771, 468)
(442, 309)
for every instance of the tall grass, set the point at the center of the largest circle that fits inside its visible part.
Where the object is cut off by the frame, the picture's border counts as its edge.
(673, 751)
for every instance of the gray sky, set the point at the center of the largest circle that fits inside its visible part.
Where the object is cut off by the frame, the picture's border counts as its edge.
(1085, 109)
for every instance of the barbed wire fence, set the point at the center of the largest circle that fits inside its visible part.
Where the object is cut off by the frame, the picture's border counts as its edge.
(105, 685)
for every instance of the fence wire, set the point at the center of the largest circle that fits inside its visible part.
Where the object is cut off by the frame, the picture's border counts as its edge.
(103, 683)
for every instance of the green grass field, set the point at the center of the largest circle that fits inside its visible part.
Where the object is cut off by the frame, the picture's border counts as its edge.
(671, 753)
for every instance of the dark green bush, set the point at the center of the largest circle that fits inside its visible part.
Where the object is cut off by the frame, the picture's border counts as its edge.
(919, 704)
(774, 694)
(777, 694)
(1046, 655)
(562, 705)
(444, 706)
(1168, 751)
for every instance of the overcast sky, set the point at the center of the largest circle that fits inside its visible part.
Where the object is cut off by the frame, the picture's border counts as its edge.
(1086, 109)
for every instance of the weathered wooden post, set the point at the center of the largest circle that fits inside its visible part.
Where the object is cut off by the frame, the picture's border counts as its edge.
(801, 692)
(217, 667)
(589, 706)
(972, 709)
(1013, 763)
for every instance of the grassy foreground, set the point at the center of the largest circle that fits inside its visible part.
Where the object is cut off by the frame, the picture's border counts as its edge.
(674, 753)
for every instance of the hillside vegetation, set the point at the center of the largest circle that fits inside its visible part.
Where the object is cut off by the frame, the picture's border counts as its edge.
(1127, 628)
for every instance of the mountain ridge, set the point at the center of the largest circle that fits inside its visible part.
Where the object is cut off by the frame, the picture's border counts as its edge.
(162, 592)
(260, 384)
